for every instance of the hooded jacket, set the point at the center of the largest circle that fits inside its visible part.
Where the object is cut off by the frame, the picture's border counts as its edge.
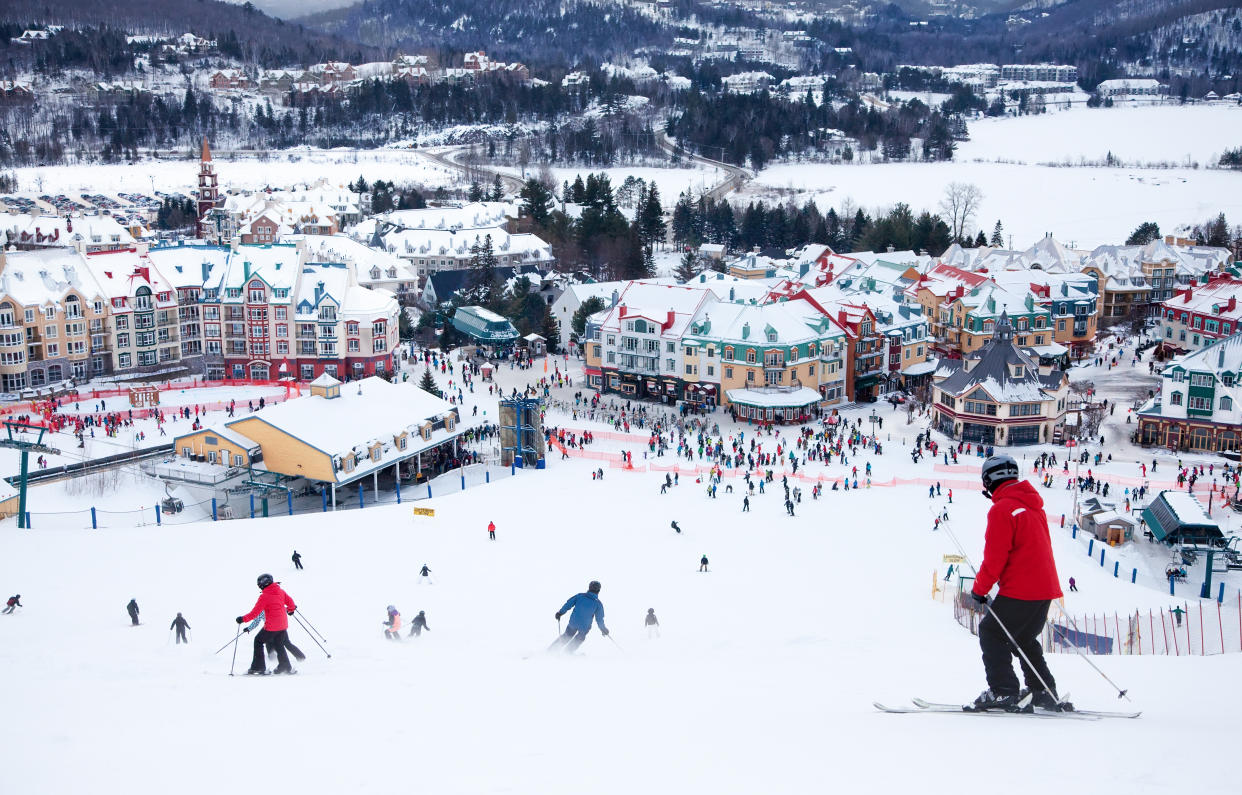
(1017, 548)
(276, 605)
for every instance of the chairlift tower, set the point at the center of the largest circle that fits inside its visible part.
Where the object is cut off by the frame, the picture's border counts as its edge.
(521, 431)
(26, 447)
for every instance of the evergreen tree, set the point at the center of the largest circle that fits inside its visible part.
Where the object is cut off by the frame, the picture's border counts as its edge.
(550, 328)
(498, 189)
(686, 267)
(1144, 234)
(537, 202)
(475, 193)
(484, 279)
(981, 239)
(998, 236)
(651, 218)
(589, 307)
(683, 220)
(428, 383)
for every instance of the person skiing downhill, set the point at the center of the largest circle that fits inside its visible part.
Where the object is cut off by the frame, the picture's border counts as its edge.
(181, 625)
(652, 623)
(586, 606)
(276, 607)
(297, 560)
(703, 564)
(419, 624)
(1017, 554)
(132, 609)
(12, 604)
(426, 573)
(393, 624)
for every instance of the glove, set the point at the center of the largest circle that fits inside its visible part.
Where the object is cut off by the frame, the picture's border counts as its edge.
(980, 598)
(558, 616)
(291, 611)
(239, 619)
(247, 629)
(605, 632)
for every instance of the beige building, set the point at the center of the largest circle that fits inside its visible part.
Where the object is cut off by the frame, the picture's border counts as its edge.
(145, 329)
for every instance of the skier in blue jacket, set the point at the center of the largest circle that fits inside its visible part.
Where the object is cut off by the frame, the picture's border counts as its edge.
(586, 606)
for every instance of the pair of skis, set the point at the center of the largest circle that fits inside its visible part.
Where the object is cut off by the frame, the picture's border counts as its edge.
(935, 708)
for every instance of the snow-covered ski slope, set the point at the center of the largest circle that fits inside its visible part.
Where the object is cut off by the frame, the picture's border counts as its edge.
(763, 680)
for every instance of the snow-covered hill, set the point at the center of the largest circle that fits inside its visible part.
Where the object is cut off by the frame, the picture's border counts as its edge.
(762, 681)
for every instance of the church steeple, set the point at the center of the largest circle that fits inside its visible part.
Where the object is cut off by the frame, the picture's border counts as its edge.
(1004, 329)
(208, 190)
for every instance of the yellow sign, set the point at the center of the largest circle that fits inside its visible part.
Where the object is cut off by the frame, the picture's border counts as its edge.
(954, 559)
(424, 511)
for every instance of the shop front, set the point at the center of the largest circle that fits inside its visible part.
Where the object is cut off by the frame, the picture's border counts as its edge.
(774, 405)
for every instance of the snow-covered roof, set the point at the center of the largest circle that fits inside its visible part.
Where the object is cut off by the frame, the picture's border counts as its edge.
(1186, 507)
(377, 411)
(1218, 298)
(274, 263)
(994, 370)
(363, 258)
(65, 230)
(43, 276)
(121, 273)
(775, 398)
(921, 368)
(655, 302)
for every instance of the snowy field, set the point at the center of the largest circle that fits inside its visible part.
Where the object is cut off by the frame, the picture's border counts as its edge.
(282, 169)
(1083, 207)
(762, 680)
(1164, 134)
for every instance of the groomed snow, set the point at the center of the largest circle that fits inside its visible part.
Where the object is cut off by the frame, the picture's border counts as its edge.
(1171, 134)
(1084, 207)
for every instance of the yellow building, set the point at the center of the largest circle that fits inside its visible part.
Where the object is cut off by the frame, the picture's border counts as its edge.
(339, 434)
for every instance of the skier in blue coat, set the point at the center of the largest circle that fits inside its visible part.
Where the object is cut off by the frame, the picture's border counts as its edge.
(586, 606)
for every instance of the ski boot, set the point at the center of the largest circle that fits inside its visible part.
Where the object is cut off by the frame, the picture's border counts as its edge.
(1010, 702)
(1047, 701)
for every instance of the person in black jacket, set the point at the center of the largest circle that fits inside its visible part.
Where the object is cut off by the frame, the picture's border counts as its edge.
(297, 560)
(703, 564)
(13, 603)
(418, 625)
(132, 609)
(181, 625)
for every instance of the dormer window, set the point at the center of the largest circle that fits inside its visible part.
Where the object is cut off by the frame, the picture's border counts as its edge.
(1018, 370)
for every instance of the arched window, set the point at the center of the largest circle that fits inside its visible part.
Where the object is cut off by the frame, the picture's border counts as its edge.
(1226, 403)
(1175, 399)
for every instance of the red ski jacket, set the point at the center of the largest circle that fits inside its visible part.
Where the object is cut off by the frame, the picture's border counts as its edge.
(275, 605)
(1017, 549)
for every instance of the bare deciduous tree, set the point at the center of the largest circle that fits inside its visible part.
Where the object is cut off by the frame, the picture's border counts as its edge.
(960, 203)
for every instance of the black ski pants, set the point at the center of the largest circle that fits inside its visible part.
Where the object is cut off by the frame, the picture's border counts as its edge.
(180, 635)
(1025, 621)
(272, 640)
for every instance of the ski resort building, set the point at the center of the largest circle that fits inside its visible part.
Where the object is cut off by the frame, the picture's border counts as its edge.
(1175, 517)
(394, 431)
(1199, 406)
(1200, 314)
(999, 395)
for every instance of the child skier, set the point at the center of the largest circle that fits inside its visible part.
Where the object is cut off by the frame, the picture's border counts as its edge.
(393, 623)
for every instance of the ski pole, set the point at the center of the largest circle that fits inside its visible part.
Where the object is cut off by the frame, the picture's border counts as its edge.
(225, 646)
(614, 642)
(1120, 692)
(168, 639)
(239, 634)
(309, 624)
(312, 637)
(999, 623)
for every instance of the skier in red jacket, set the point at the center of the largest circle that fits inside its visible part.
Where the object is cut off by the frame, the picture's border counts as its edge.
(1017, 554)
(276, 607)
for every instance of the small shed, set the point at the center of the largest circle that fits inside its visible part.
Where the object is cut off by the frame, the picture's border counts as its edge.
(8, 500)
(1177, 517)
(535, 344)
(1112, 527)
(485, 371)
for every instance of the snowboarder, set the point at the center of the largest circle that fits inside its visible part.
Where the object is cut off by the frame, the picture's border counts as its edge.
(586, 606)
(419, 624)
(181, 625)
(132, 609)
(676, 527)
(652, 623)
(393, 623)
(297, 560)
(12, 604)
(491, 530)
(276, 607)
(703, 564)
(1017, 554)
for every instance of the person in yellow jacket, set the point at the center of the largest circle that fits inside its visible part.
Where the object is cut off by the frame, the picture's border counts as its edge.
(393, 624)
